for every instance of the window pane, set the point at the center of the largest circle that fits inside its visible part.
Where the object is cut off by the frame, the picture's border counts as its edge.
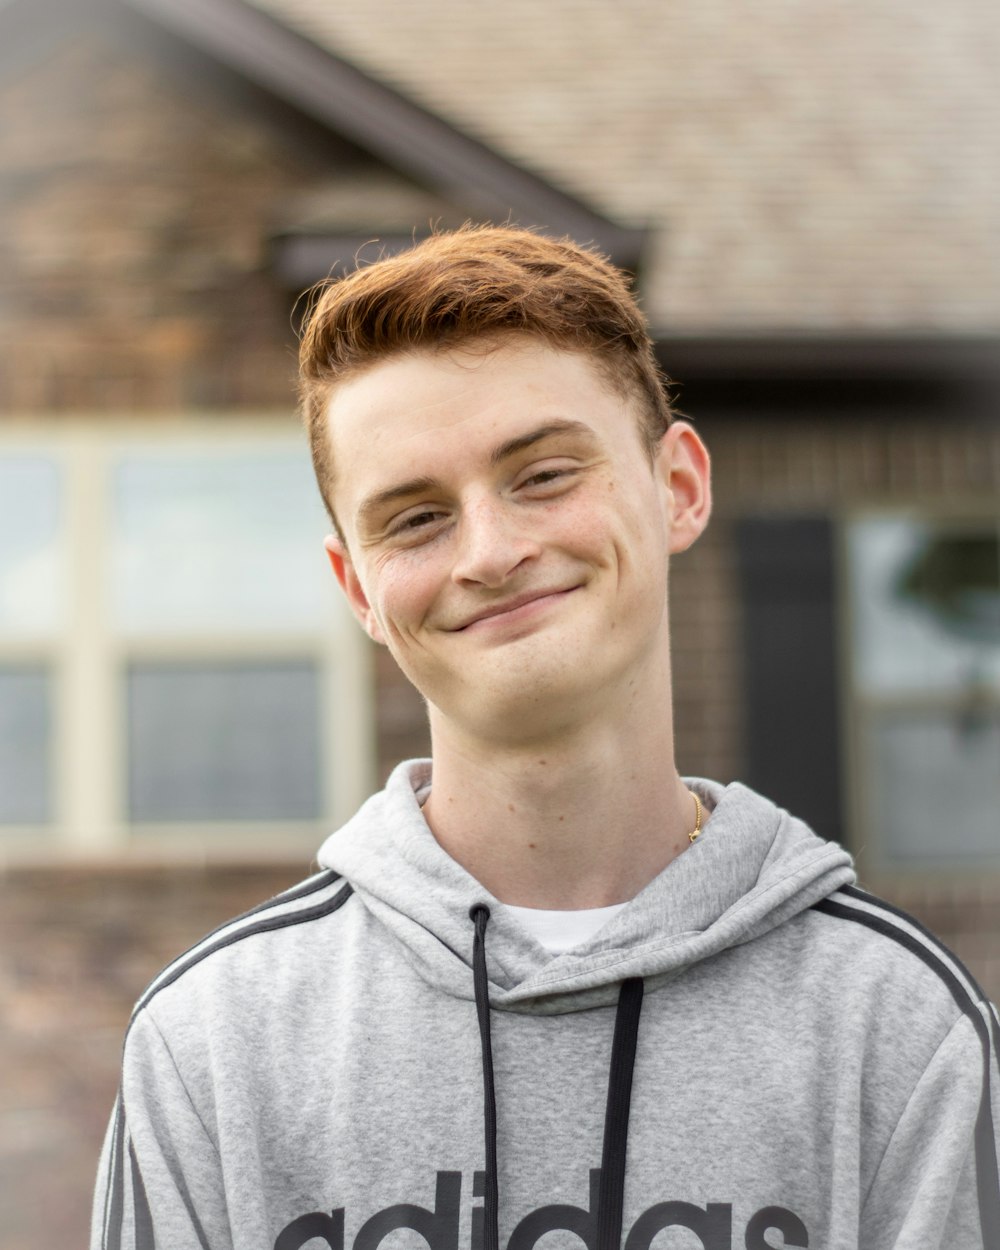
(207, 541)
(936, 791)
(29, 544)
(926, 606)
(209, 741)
(25, 739)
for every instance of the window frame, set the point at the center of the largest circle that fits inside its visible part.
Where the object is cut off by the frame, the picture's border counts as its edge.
(88, 659)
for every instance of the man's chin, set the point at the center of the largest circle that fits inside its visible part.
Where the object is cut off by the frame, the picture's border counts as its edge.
(528, 708)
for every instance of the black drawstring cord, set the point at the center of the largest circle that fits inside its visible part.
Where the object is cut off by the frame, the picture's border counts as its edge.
(611, 1192)
(480, 915)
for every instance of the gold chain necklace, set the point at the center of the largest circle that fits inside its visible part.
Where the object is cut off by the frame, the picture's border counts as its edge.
(695, 832)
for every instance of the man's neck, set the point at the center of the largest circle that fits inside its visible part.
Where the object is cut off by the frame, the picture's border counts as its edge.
(584, 821)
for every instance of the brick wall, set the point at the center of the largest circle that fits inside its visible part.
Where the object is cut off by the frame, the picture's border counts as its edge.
(77, 945)
(400, 715)
(137, 201)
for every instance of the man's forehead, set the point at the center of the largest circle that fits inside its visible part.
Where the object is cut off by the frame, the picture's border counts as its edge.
(513, 383)
(510, 358)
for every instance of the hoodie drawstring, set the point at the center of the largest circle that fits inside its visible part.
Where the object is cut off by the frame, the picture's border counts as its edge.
(611, 1191)
(480, 916)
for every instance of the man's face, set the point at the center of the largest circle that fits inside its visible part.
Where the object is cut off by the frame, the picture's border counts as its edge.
(505, 532)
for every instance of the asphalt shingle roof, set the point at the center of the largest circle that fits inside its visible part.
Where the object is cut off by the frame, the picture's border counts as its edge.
(806, 165)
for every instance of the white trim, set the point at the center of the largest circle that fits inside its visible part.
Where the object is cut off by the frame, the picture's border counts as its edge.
(88, 733)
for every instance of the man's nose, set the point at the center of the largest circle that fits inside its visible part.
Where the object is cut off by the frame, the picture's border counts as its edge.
(493, 541)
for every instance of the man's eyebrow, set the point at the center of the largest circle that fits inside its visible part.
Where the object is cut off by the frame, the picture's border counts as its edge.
(414, 486)
(374, 504)
(514, 445)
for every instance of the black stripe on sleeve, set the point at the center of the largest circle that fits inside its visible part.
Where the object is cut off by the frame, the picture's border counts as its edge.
(114, 1204)
(266, 925)
(995, 1026)
(987, 1172)
(311, 885)
(949, 961)
(874, 901)
(144, 1238)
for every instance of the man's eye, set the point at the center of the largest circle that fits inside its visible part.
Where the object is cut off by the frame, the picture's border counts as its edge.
(415, 521)
(546, 476)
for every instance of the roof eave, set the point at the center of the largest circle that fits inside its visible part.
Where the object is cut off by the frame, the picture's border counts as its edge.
(793, 356)
(402, 133)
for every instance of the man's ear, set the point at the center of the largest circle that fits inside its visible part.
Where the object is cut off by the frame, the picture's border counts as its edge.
(685, 469)
(343, 570)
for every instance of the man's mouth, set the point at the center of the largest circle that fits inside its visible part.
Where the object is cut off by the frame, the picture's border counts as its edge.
(510, 606)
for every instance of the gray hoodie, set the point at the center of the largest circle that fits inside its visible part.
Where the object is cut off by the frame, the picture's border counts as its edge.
(752, 1054)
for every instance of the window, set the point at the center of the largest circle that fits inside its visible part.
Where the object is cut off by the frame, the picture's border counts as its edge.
(176, 663)
(924, 629)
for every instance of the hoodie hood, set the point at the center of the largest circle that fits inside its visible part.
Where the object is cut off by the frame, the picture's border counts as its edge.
(753, 867)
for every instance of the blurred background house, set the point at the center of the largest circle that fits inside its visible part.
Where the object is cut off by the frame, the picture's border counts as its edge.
(808, 196)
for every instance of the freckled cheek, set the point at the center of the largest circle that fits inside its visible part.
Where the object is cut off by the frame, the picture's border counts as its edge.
(595, 533)
(578, 529)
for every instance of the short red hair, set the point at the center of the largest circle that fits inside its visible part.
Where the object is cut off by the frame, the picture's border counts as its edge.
(479, 282)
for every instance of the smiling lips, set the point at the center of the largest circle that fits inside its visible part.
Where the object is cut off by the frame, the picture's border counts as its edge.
(510, 606)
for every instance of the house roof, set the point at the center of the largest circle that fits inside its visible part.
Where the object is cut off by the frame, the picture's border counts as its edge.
(795, 180)
(805, 168)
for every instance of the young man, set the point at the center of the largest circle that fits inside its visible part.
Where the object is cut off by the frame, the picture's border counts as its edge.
(544, 986)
